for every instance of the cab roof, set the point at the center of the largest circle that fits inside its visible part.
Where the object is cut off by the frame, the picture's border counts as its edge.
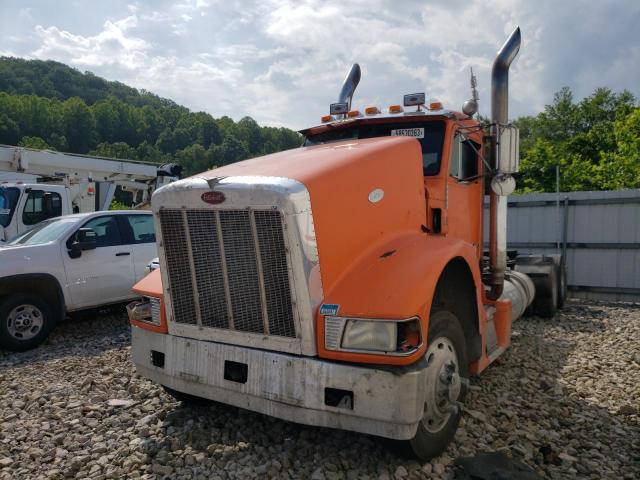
(385, 118)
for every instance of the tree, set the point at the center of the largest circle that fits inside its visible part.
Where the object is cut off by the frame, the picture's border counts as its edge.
(79, 125)
(232, 150)
(34, 142)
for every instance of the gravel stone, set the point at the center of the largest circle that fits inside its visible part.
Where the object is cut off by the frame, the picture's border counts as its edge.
(564, 399)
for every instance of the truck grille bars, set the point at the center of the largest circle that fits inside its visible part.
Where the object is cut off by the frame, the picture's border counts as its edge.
(228, 269)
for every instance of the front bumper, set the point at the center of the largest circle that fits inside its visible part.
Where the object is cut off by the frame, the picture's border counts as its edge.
(294, 388)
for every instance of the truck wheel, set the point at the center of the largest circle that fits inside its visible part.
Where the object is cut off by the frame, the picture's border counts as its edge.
(25, 322)
(562, 286)
(546, 301)
(446, 359)
(188, 399)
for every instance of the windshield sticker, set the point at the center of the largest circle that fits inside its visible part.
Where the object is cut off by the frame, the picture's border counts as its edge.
(408, 132)
(329, 309)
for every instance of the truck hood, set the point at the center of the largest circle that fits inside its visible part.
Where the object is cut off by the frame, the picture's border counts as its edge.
(19, 259)
(362, 193)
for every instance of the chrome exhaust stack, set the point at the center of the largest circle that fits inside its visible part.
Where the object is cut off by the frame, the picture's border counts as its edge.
(504, 161)
(349, 85)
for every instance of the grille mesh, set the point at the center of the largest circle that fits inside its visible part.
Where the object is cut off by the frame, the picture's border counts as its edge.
(175, 241)
(205, 250)
(239, 266)
(274, 268)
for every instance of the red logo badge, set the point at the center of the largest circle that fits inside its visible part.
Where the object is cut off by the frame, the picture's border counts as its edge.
(213, 197)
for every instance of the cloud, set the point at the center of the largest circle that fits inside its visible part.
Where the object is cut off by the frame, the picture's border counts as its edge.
(110, 46)
(282, 62)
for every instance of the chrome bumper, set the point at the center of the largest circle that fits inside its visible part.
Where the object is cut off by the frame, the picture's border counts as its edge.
(295, 388)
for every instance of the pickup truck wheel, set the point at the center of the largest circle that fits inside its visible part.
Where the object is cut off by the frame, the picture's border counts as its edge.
(25, 322)
(446, 359)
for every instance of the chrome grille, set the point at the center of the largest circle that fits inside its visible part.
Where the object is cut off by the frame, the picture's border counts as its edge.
(235, 275)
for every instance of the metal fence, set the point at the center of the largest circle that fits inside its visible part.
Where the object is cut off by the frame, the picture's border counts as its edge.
(599, 231)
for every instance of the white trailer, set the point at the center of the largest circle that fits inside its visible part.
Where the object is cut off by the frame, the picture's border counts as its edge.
(68, 183)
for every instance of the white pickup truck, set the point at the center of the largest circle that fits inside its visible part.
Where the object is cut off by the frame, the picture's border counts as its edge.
(67, 264)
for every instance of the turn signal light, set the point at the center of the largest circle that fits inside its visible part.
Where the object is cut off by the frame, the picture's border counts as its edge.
(372, 110)
(395, 109)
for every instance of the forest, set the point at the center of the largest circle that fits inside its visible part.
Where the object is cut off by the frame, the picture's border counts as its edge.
(595, 142)
(46, 104)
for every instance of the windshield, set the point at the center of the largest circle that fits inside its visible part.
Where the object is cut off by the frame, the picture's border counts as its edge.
(8, 200)
(429, 134)
(44, 232)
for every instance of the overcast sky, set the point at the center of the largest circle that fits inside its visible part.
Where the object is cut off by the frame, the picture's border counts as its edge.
(283, 63)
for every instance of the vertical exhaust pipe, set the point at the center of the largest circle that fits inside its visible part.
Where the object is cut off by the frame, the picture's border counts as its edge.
(349, 85)
(498, 203)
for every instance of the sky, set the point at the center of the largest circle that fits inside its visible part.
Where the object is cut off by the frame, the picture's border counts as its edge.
(283, 63)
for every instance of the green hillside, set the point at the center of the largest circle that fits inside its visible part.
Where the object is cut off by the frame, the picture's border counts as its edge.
(46, 104)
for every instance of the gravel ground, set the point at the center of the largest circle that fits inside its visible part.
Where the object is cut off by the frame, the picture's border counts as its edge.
(565, 399)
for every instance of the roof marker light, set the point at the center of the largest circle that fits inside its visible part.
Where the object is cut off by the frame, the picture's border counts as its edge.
(395, 109)
(353, 113)
(435, 105)
(372, 110)
(326, 118)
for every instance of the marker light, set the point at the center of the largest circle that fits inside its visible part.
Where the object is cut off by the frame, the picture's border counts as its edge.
(395, 109)
(435, 106)
(372, 110)
(326, 118)
(353, 113)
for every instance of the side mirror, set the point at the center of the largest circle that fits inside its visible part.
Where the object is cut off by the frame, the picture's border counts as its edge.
(85, 240)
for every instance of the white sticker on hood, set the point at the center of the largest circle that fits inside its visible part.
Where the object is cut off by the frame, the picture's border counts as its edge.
(376, 195)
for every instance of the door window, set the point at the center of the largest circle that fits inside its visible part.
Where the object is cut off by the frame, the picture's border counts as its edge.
(141, 228)
(107, 231)
(464, 159)
(41, 205)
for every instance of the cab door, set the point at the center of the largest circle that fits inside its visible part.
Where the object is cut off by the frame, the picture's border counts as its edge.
(140, 235)
(105, 274)
(464, 191)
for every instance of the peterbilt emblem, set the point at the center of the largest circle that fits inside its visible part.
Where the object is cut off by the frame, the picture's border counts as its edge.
(213, 197)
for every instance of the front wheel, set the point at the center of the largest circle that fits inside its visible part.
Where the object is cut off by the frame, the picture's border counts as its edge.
(446, 359)
(25, 322)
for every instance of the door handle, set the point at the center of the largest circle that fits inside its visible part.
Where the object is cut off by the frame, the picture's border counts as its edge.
(122, 254)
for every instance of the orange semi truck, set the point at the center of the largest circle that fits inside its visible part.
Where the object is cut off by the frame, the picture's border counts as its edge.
(344, 284)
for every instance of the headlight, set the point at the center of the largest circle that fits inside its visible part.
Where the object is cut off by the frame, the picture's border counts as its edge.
(392, 337)
(147, 310)
(370, 335)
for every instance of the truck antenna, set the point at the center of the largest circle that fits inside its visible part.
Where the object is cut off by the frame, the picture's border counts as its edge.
(470, 107)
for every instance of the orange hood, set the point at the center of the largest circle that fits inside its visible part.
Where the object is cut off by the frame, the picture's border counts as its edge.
(363, 193)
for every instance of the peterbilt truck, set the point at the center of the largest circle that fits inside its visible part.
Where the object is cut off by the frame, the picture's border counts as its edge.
(344, 283)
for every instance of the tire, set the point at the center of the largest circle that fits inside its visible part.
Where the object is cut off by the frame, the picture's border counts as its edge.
(562, 286)
(25, 322)
(188, 399)
(546, 301)
(437, 428)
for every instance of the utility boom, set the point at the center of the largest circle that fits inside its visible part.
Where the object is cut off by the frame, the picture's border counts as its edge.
(68, 183)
